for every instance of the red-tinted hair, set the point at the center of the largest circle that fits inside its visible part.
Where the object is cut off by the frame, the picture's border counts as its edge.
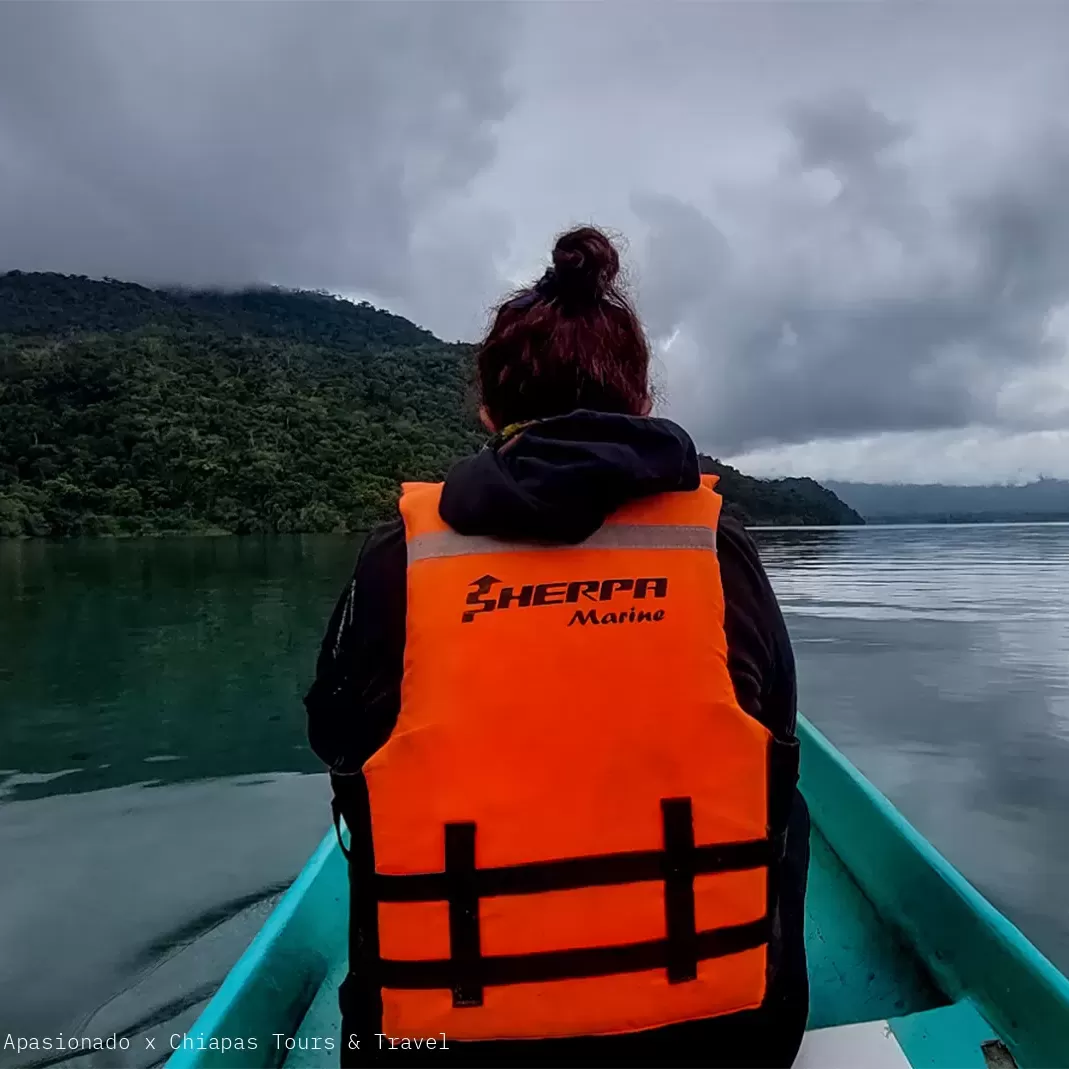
(571, 341)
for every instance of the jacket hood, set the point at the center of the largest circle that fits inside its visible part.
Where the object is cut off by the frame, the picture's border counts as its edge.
(558, 479)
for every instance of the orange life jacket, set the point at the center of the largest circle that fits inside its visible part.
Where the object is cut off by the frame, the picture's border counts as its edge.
(571, 819)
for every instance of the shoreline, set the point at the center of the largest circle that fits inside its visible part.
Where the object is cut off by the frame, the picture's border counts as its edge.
(219, 533)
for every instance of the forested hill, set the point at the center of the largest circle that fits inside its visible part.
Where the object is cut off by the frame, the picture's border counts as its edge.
(130, 410)
(785, 502)
(124, 409)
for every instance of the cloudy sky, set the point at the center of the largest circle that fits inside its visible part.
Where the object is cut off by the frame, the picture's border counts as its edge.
(847, 224)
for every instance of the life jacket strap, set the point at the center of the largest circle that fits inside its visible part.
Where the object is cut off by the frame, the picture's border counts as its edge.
(580, 963)
(461, 885)
(573, 873)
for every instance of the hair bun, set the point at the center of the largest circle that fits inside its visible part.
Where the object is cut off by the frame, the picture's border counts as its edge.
(585, 264)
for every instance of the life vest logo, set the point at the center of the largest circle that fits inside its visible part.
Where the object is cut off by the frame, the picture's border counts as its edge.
(484, 598)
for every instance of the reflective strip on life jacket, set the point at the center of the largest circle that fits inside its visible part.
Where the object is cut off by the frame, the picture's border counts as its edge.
(622, 536)
(571, 819)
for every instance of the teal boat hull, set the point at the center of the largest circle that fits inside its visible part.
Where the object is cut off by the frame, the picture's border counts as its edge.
(909, 965)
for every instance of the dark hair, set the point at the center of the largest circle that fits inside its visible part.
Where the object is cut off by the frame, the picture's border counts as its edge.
(572, 340)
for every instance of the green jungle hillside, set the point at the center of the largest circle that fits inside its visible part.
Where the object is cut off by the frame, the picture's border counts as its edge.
(779, 502)
(127, 410)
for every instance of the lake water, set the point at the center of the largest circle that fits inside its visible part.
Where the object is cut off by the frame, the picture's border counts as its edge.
(156, 791)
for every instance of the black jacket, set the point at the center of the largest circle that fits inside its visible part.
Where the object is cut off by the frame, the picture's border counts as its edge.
(557, 481)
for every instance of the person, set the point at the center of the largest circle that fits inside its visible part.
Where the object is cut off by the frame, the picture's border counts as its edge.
(557, 701)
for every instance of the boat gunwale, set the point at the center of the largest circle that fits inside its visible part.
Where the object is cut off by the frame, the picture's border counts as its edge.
(947, 958)
(226, 1001)
(1002, 977)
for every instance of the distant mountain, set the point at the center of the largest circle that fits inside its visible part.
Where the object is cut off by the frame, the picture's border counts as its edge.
(128, 410)
(782, 502)
(1045, 499)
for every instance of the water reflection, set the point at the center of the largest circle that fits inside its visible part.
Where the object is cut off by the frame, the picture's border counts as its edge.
(162, 659)
(131, 903)
(938, 659)
(154, 786)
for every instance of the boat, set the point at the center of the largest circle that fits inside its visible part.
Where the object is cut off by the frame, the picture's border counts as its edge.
(909, 965)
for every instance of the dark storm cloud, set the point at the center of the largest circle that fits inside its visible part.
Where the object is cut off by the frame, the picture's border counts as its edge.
(854, 304)
(843, 131)
(882, 258)
(680, 277)
(303, 144)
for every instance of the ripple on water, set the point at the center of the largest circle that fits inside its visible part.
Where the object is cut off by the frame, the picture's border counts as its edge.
(938, 659)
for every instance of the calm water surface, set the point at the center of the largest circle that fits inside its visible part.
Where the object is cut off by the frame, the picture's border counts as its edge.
(156, 792)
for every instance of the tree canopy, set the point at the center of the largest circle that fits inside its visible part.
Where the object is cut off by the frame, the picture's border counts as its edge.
(779, 502)
(128, 410)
